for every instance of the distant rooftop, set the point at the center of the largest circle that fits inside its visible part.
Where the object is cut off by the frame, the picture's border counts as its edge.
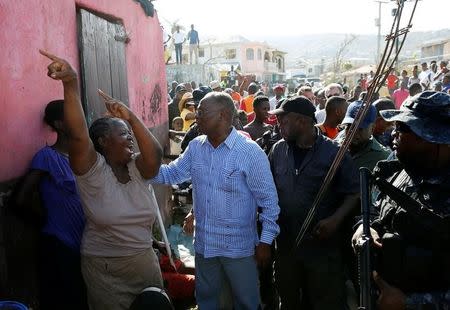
(236, 39)
(227, 39)
(435, 42)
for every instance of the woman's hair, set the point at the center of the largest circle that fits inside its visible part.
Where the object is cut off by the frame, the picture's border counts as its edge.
(54, 111)
(100, 128)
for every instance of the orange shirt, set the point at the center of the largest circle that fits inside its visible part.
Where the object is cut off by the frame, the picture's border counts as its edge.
(247, 104)
(236, 97)
(330, 132)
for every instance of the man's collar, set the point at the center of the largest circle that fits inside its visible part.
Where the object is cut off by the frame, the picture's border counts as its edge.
(319, 139)
(229, 141)
(375, 145)
(372, 144)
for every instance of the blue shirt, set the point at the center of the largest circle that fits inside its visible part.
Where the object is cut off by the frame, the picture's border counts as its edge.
(229, 183)
(193, 37)
(58, 191)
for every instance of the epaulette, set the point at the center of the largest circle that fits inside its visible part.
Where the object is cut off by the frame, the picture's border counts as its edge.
(387, 168)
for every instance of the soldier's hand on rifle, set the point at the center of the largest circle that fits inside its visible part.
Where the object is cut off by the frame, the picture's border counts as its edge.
(391, 298)
(358, 235)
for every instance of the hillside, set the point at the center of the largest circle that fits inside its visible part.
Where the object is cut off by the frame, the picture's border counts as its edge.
(325, 45)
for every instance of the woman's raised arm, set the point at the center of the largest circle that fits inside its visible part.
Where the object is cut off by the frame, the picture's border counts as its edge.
(82, 154)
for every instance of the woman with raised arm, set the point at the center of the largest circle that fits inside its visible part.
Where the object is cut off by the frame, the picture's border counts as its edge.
(118, 261)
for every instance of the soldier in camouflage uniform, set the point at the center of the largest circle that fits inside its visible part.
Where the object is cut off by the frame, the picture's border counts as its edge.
(412, 229)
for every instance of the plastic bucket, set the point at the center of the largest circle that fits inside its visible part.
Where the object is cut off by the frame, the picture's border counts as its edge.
(12, 305)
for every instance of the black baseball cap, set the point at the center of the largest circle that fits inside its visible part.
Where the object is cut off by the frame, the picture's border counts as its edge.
(297, 104)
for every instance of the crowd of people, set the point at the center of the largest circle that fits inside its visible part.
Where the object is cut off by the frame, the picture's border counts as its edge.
(301, 133)
(256, 164)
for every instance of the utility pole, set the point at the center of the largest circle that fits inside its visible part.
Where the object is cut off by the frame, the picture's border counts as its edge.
(378, 24)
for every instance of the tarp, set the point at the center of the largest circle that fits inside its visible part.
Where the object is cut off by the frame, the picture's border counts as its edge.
(182, 245)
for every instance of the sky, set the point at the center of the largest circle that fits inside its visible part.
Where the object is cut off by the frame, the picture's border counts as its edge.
(295, 17)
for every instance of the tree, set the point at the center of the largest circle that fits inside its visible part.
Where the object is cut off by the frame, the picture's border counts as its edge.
(341, 52)
(347, 66)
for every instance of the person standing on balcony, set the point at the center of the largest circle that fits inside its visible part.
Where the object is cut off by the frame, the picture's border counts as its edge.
(194, 43)
(178, 39)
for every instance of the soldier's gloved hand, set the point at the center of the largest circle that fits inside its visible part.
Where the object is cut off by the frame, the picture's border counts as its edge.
(358, 235)
(391, 298)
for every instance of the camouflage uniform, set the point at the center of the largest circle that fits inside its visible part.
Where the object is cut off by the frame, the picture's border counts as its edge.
(415, 256)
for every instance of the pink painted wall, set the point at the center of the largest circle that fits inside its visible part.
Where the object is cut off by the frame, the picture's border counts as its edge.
(25, 89)
(256, 65)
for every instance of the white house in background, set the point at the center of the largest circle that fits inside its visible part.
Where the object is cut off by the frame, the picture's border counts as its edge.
(303, 68)
(265, 62)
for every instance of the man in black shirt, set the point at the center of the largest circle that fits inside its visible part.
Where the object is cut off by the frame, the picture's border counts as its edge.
(309, 276)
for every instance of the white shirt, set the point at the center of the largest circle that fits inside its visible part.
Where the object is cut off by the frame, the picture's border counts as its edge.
(424, 74)
(179, 37)
(427, 78)
(165, 36)
(320, 116)
(273, 102)
(413, 80)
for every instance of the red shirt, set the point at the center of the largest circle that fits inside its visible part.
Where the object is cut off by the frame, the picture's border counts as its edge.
(271, 120)
(250, 117)
(391, 81)
(364, 84)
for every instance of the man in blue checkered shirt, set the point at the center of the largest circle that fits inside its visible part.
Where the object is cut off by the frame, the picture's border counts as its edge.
(231, 180)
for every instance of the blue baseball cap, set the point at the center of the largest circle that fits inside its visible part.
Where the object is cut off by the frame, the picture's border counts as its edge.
(352, 111)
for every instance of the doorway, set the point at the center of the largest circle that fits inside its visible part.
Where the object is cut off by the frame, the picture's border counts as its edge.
(102, 61)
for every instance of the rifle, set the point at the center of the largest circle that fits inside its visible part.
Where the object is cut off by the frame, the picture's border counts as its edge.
(429, 222)
(366, 300)
(411, 258)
